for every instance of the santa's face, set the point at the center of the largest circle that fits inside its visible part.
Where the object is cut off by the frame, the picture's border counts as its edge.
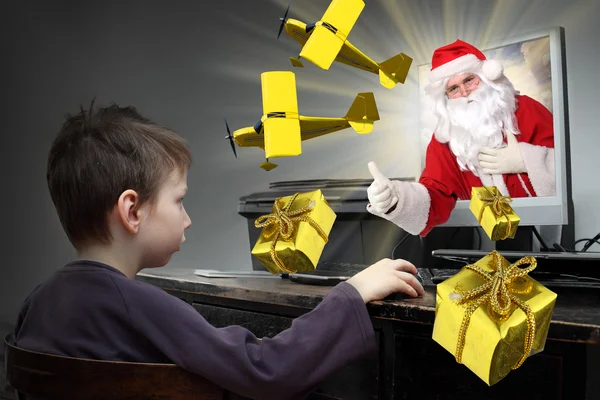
(462, 85)
(476, 112)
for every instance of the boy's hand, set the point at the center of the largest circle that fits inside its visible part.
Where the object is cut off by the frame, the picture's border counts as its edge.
(386, 277)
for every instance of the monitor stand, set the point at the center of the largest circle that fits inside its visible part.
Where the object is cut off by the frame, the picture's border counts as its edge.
(523, 240)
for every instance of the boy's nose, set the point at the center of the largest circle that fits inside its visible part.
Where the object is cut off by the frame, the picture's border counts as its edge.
(188, 221)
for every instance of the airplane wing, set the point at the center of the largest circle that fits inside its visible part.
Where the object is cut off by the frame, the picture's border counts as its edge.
(329, 34)
(281, 124)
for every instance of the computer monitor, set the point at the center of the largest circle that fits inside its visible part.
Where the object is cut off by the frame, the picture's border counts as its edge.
(535, 64)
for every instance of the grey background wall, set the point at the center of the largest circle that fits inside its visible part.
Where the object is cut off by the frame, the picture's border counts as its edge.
(189, 64)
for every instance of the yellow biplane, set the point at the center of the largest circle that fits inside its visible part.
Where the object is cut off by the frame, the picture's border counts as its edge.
(325, 41)
(281, 129)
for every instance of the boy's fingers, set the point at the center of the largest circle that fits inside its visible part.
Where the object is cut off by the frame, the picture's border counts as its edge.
(411, 280)
(403, 265)
(406, 288)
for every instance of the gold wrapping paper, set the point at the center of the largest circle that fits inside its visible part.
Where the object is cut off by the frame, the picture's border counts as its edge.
(494, 213)
(295, 233)
(491, 316)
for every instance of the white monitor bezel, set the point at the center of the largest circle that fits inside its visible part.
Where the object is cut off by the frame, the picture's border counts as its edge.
(550, 210)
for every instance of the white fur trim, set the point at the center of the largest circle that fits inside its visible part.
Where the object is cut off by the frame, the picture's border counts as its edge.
(524, 186)
(492, 69)
(539, 163)
(456, 66)
(486, 179)
(412, 209)
(498, 181)
(493, 180)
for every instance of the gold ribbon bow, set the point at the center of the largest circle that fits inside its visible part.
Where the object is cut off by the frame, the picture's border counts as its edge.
(499, 206)
(281, 223)
(498, 291)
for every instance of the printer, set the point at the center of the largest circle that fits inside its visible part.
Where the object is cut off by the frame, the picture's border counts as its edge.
(357, 237)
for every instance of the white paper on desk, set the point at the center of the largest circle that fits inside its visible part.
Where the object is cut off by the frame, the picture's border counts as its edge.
(213, 273)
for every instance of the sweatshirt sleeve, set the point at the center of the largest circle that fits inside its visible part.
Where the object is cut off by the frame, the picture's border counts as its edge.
(287, 366)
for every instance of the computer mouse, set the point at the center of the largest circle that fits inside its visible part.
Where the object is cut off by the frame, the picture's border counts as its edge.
(398, 296)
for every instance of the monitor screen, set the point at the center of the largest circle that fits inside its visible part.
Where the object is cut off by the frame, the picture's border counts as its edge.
(535, 65)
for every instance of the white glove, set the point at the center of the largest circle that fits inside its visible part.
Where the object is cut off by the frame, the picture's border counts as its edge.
(381, 192)
(505, 160)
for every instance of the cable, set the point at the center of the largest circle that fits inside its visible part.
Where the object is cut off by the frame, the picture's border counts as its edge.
(575, 243)
(478, 238)
(452, 236)
(558, 247)
(591, 242)
(399, 243)
(539, 238)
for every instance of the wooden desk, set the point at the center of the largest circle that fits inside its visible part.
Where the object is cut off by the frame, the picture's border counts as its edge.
(410, 365)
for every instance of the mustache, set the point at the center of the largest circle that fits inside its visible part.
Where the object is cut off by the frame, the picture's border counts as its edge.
(476, 96)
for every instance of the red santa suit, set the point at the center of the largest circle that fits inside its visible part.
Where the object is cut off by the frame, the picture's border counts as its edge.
(429, 202)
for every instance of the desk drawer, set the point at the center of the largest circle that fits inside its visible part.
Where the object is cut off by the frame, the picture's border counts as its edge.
(261, 325)
(426, 370)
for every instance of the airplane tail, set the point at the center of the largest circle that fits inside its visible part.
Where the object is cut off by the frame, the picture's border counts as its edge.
(394, 70)
(363, 113)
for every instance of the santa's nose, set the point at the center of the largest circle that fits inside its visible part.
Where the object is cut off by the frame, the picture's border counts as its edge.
(463, 91)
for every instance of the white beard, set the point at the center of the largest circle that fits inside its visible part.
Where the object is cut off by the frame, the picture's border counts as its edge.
(477, 121)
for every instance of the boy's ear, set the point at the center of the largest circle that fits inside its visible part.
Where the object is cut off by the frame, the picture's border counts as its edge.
(128, 207)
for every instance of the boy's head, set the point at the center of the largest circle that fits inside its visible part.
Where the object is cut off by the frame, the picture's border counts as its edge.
(113, 165)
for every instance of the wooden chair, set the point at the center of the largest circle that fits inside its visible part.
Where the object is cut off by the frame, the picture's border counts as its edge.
(56, 377)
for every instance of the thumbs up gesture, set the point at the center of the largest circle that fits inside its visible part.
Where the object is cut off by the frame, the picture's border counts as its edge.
(505, 160)
(381, 193)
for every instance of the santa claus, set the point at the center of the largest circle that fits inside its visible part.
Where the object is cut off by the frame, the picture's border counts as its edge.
(487, 135)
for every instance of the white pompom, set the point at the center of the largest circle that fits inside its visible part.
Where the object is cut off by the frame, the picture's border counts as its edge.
(492, 69)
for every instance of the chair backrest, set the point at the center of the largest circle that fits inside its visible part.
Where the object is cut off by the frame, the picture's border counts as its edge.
(56, 377)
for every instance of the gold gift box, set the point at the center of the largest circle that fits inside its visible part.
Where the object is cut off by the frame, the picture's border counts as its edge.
(494, 344)
(494, 213)
(295, 245)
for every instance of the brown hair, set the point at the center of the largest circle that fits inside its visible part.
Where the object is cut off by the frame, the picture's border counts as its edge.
(97, 156)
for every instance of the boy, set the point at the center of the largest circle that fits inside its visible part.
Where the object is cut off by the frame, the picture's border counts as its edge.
(117, 181)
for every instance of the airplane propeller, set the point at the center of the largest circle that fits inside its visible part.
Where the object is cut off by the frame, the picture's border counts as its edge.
(283, 20)
(230, 137)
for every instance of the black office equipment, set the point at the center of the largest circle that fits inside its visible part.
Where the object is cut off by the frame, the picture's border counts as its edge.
(554, 269)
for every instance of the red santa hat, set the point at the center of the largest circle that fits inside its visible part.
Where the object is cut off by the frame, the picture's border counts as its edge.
(460, 57)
